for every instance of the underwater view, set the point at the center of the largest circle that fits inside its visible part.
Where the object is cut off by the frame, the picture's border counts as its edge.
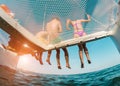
(106, 77)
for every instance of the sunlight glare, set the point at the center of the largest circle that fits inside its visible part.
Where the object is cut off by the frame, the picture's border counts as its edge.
(24, 60)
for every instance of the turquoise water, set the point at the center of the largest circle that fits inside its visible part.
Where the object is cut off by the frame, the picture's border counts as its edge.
(106, 77)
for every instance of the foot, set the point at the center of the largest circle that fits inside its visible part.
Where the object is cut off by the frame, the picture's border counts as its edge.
(68, 67)
(82, 65)
(59, 67)
(4, 46)
(41, 62)
(89, 61)
(36, 57)
(48, 62)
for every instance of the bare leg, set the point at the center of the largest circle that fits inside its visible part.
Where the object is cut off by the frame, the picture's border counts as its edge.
(34, 53)
(81, 55)
(48, 57)
(58, 58)
(5, 47)
(86, 53)
(39, 54)
(66, 57)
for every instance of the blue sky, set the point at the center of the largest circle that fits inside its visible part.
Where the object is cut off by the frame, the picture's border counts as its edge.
(103, 52)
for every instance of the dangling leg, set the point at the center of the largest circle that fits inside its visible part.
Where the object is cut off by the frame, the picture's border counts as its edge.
(48, 57)
(4, 46)
(81, 54)
(39, 54)
(86, 53)
(35, 54)
(66, 57)
(58, 58)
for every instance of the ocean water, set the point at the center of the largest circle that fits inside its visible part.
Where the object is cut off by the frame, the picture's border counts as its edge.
(106, 77)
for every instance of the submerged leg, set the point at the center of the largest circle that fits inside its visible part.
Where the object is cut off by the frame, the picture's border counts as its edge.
(48, 57)
(66, 57)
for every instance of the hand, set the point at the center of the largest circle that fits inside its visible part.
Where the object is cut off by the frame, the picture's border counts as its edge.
(88, 16)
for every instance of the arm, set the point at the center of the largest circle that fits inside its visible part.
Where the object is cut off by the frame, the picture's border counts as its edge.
(60, 27)
(67, 24)
(86, 20)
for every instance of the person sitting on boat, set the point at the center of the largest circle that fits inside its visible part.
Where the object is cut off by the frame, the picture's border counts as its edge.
(7, 10)
(79, 32)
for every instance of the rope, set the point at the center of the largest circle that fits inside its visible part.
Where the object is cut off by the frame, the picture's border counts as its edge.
(44, 17)
(93, 18)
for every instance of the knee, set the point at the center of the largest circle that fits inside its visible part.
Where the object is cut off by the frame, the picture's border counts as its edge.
(80, 48)
(57, 53)
(65, 51)
(86, 51)
(49, 52)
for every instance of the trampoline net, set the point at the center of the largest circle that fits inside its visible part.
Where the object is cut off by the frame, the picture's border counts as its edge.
(34, 14)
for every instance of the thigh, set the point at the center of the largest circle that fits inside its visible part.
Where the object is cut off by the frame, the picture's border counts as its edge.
(84, 46)
(80, 47)
(50, 51)
(65, 51)
(58, 51)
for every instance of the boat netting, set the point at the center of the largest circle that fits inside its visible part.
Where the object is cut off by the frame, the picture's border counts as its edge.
(34, 14)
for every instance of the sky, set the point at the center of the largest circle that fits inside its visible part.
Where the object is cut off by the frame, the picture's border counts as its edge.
(103, 52)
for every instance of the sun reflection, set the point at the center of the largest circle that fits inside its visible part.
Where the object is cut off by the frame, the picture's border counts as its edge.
(24, 61)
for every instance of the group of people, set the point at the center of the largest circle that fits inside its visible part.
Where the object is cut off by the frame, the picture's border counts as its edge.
(52, 33)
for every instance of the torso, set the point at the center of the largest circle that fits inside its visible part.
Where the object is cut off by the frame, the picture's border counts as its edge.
(77, 26)
(53, 29)
(78, 29)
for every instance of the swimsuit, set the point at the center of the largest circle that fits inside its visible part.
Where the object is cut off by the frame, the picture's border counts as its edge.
(56, 40)
(80, 33)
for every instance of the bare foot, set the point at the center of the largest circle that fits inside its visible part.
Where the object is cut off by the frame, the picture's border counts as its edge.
(40, 62)
(48, 61)
(89, 61)
(4, 46)
(82, 65)
(68, 66)
(59, 67)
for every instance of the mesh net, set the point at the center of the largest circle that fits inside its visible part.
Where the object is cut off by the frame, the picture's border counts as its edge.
(34, 14)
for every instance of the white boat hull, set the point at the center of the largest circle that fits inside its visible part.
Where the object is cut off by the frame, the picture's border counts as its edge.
(8, 58)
